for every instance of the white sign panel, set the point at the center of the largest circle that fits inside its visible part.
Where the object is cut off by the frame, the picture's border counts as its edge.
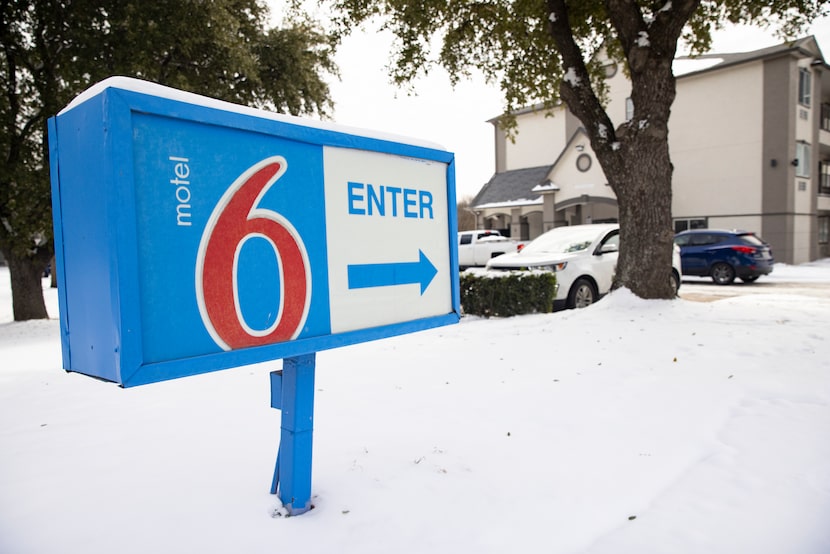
(386, 229)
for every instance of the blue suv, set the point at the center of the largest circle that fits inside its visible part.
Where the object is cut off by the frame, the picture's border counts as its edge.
(724, 255)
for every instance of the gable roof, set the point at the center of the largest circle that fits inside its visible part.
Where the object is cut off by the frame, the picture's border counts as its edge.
(692, 65)
(579, 133)
(513, 187)
(522, 186)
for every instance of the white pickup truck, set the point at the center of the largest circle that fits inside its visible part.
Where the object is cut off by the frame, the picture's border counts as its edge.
(475, 248)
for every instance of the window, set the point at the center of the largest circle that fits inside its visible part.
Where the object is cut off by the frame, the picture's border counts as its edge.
(804, 86)
(802, 156)
(824, 229)
(629, 109)
(686, 224)
(682, 241)
(705, 239)
(611, 243)
(824, 178)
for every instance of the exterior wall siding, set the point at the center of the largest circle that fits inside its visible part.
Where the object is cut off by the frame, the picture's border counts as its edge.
(501, 148)
(803, 238)
(805, 189)
(539, 141)
(716, 147)
(745, 222)
(780, 89)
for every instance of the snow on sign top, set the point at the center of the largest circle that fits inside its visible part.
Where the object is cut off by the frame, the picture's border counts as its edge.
(154, 89)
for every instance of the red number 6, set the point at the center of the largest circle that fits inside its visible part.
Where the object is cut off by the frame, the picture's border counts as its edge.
(235, 219)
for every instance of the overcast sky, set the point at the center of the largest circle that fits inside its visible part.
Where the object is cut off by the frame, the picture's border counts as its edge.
(457, 118)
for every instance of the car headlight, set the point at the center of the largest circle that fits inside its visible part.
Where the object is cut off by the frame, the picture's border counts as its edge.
(557, 267)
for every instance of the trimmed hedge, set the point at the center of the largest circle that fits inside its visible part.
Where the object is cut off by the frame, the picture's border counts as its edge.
(507, 293)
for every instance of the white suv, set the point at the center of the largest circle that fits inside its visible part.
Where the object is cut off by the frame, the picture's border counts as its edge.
(584, 258)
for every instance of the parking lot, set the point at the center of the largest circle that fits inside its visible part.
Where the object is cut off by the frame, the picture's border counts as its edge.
(704, 290)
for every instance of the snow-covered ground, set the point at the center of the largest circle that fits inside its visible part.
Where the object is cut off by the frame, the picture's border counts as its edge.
(628, 427)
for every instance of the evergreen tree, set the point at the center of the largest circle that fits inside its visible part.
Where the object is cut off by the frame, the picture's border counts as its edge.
(51, 50)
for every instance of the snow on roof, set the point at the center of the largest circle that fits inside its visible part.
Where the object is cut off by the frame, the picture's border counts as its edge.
(512, 203)
(514, 185)
(684, 66)
(547, 187)
(154, 89)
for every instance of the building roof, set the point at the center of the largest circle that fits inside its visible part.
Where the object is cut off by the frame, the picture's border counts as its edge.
(689, 65)
(513, 187)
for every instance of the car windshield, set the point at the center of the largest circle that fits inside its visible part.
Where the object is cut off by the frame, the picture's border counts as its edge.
(562, 241)
(752, 240)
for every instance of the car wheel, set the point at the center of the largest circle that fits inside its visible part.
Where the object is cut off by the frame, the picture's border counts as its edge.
(750, 278)
(722, 274)
(675, 283)
(583, 294)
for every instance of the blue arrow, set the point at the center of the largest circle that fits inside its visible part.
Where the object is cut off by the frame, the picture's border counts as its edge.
(366, 276)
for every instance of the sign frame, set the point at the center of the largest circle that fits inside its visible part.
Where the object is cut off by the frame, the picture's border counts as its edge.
(98, 273)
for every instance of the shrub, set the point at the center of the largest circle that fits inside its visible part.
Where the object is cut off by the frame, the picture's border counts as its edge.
(507, 293)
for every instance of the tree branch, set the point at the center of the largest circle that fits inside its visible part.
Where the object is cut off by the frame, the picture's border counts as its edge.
(627, 19)
(575, 88)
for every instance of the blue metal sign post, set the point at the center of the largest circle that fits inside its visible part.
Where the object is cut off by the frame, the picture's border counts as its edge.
(292, 392)
(193, 235)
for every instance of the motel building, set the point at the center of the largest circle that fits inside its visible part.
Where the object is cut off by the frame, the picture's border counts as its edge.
(749, 137)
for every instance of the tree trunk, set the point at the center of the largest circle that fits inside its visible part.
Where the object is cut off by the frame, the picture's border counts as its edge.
(647, 239)
(27, 287)
(635, 155)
